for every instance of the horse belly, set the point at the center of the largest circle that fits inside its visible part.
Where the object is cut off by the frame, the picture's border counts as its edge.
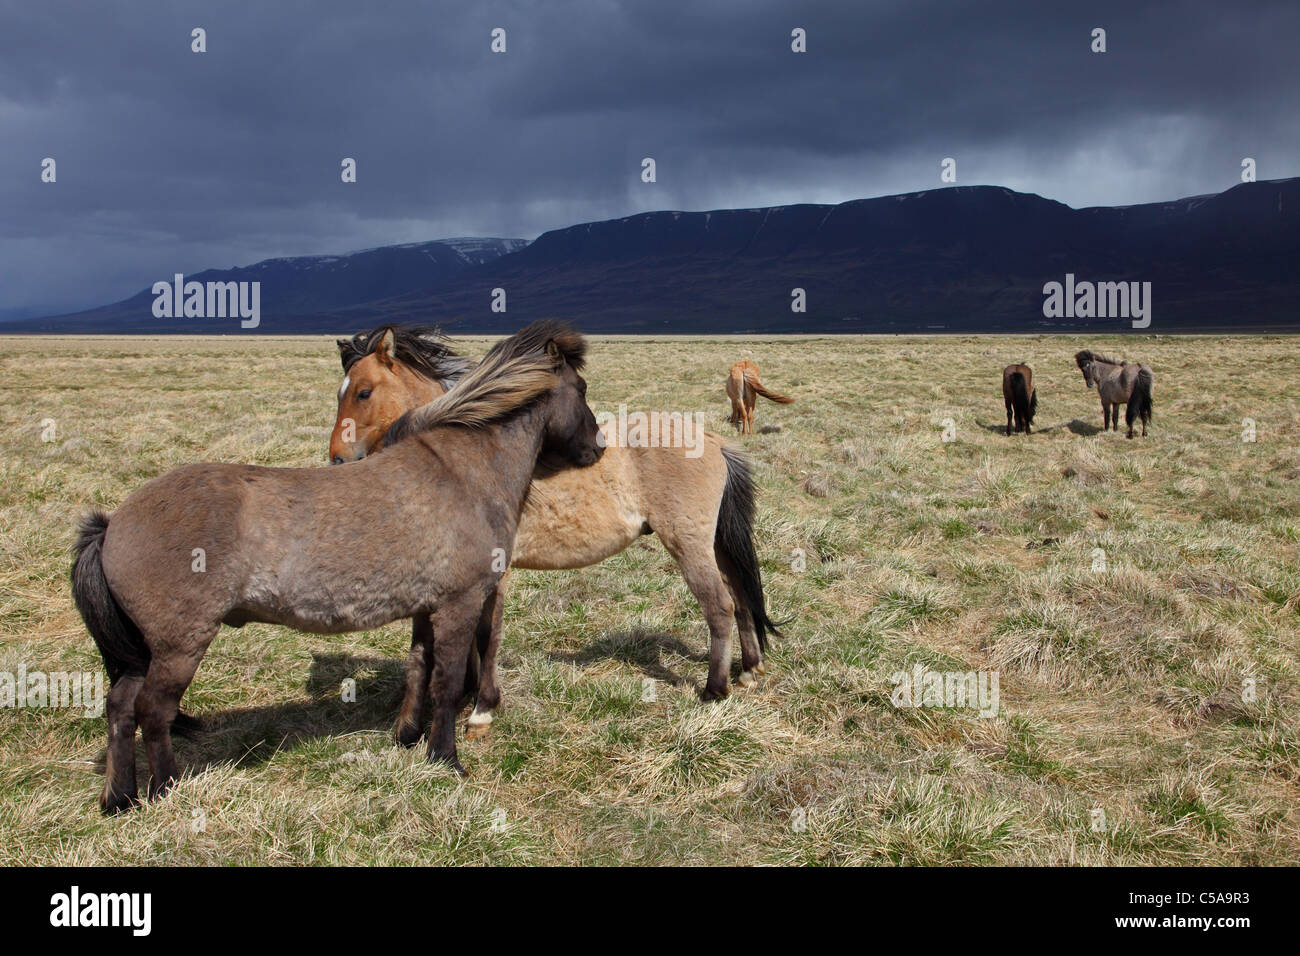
(305, 605)
(579, 516)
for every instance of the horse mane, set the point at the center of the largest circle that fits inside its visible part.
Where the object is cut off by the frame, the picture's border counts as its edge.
(514, 373)
(1084, 357)
(422, 348)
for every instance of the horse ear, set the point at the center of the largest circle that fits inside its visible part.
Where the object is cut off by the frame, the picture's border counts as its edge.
(553, 351)
(383, 349)
(345, 348)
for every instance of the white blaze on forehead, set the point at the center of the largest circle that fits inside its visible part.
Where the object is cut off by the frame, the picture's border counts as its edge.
(343, 389)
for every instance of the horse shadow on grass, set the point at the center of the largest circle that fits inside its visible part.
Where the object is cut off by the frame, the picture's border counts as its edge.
(252, 736)
(641, 648)
(1077, 426)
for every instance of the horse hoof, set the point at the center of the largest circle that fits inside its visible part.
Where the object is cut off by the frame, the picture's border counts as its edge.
(452, 764)
(112, 804)
(480, 722)
(406, 736)
(160, 791)
(710, 694)
(746, 679)
(759, 668)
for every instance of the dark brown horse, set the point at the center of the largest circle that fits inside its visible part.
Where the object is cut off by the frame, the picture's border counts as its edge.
(1019, 395)
(701, 507)
(1118, 383)
(410, 532)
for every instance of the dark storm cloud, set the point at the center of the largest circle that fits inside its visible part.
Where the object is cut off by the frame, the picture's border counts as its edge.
(174, 161)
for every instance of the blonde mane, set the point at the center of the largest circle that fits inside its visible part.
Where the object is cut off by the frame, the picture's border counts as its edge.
(515, 372)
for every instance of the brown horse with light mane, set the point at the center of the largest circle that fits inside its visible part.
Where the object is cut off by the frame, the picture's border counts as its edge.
(329, 550)
(1019, 395)
(702, 508)
(743, 387)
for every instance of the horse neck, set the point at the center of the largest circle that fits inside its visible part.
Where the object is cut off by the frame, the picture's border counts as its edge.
(510, 453)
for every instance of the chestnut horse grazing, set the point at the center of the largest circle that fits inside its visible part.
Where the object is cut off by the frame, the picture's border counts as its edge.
(701, 507)
(1019, 395)
(328, 550)
(742, 388)
(1118, 383)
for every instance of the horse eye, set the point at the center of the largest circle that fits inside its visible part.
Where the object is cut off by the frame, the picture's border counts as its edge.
(363, 394)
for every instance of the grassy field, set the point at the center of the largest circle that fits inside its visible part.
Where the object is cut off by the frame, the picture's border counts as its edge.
(1126, 732)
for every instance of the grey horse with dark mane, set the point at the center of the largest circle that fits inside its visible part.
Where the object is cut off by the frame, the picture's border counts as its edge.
(407, 533)
(1118, 383)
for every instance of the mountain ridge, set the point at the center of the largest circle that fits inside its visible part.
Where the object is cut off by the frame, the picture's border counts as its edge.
(960, 258)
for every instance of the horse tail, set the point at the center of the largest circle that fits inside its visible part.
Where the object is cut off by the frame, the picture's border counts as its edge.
(119, 641)
(1139, 403)
(751, 379)
(734, 540)
(1020, 400)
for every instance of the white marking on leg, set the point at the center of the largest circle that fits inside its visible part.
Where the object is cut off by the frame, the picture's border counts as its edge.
(480, 718)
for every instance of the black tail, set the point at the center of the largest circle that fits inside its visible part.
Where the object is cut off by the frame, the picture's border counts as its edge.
(1139, 403)
(120, 642)
(734, 540)
(1024, 403)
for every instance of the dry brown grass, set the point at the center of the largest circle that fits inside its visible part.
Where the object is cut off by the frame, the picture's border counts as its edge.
(1121, 690)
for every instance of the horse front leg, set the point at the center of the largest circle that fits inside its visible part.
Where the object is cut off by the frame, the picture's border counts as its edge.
(1105, 416)
(455, 623)
(414, 713)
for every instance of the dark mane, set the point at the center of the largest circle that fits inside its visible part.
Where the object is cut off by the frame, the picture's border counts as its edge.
(514, 373)
(1083, 358)
(421, 348)
(533, 338)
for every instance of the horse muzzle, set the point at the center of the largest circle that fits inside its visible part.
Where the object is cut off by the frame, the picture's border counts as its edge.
(355, 453)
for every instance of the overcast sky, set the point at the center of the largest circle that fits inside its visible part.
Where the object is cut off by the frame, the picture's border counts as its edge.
(173, 161)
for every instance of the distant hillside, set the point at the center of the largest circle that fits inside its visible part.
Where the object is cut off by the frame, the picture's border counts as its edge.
(301, 286)
(972, 258)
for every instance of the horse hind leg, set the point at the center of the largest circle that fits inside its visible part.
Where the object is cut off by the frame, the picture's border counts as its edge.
(751, 653)
(156, 704)
(700, 569)
(488, 637)
(120, 791)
